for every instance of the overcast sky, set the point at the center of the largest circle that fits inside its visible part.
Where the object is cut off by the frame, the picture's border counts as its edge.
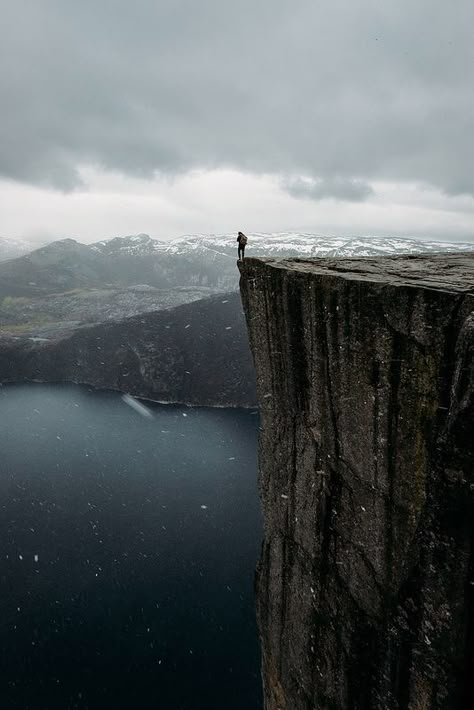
(184, 116)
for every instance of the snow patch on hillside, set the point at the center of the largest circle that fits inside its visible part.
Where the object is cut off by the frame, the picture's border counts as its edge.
(278, 244)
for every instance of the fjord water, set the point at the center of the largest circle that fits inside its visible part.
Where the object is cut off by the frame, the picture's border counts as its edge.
(127, 553)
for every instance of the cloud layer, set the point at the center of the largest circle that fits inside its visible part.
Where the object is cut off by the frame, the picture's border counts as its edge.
(342, 93)
(223, 201)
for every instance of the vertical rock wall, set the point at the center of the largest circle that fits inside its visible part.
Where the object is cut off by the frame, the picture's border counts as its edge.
(365, 587)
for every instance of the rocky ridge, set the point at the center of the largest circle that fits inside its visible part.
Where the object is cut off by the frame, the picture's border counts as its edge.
(365, 378)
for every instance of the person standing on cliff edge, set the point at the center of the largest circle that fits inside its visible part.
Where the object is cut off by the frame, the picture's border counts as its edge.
(242, 240)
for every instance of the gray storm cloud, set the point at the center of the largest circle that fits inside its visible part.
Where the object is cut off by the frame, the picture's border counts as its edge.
(343, 92)
(336, 188)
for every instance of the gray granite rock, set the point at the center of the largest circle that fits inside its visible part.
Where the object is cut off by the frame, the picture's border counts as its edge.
(365, 587)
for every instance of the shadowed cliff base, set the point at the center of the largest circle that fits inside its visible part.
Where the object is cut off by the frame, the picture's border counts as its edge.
(365, 587)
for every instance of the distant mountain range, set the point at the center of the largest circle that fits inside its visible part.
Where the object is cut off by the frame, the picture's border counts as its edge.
(282, 244)
(191, 261)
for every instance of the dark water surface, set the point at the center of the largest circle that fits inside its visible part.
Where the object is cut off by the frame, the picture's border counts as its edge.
(127, 554)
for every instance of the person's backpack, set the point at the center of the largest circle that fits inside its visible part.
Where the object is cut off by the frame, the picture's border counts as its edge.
(243, 240)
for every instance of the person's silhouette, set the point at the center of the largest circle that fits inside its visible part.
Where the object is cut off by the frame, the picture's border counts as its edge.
(242, 240)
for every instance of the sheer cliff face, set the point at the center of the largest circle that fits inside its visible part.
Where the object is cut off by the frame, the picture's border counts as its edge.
(365, 587)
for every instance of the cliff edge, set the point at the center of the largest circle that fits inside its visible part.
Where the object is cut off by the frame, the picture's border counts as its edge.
(365, 587)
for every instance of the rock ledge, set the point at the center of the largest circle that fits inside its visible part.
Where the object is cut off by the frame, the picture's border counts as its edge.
(365, 587)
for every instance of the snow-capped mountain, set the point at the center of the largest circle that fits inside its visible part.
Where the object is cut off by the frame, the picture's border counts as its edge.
(277, 244)
(136, 244)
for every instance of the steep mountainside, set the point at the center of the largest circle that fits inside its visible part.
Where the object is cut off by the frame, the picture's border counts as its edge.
(365, 378)
(60, 266)
(196, 353)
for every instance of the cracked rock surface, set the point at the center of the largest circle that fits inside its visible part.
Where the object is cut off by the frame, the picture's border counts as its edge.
(365, 587)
